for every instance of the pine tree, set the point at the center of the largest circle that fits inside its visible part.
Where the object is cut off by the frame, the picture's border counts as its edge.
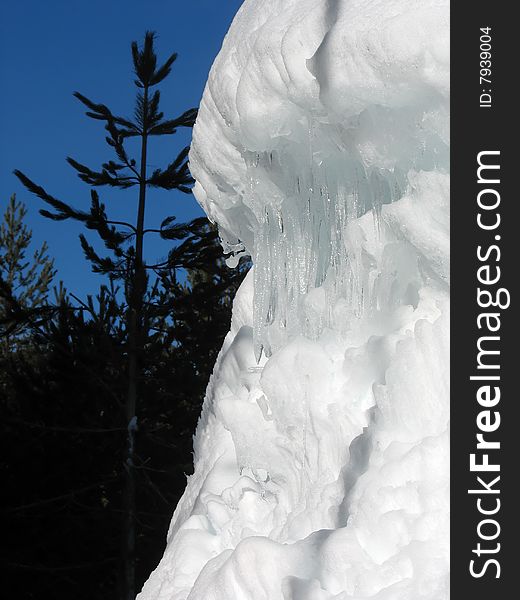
(65, 391)
(25, 280)
(145, 306)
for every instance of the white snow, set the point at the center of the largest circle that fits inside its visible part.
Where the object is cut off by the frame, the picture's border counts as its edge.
(321, 456)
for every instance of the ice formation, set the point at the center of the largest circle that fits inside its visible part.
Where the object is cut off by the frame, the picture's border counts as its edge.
(321, 455)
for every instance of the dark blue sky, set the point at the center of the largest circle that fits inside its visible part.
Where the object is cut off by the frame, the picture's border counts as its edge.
(50, 49)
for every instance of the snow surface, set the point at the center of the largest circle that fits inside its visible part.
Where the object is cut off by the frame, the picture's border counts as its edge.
(321, 455)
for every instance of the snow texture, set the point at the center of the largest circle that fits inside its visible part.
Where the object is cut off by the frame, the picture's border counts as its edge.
(321, 455)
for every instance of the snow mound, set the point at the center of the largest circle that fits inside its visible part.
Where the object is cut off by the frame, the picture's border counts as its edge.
(321, 455)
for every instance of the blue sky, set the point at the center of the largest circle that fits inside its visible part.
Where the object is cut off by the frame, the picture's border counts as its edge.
(50, 49)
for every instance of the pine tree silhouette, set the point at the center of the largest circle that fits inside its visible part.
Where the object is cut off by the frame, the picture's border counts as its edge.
(24, 280)
(124, 241)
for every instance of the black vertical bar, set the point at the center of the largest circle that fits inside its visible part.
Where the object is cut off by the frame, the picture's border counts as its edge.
(483, 123)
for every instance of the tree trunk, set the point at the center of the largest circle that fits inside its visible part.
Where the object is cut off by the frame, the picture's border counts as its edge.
(135, 347)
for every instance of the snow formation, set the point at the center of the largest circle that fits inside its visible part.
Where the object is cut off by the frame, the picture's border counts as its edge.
(321, 455)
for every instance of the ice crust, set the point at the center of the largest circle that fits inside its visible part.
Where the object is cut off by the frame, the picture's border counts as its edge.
(321, 455)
